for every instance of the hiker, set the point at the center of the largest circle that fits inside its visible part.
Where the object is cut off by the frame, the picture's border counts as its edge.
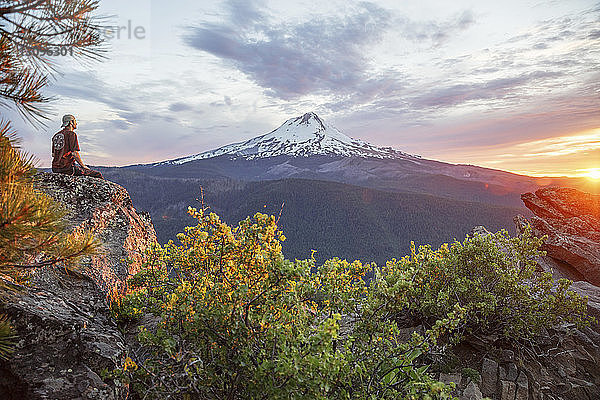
(65, 151)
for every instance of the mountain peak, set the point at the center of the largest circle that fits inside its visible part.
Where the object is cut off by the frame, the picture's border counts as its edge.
(306, 119)
(302, 136)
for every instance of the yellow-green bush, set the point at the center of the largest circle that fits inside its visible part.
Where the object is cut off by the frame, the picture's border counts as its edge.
(233, 319)
(492, 278)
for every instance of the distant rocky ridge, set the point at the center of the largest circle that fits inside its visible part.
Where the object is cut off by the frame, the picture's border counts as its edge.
(66, 335)
(571, 221)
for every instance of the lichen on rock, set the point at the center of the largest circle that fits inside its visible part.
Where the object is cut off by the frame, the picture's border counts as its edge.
(66, 335)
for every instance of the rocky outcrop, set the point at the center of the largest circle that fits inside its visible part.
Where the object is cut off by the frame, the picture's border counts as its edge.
(66, 335)
(104, 208)
(563, 363)
(571, 220)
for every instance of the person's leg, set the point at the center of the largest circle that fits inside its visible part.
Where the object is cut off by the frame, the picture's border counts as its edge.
(95, 174)
(63, 171)
(77, 170)
(87, 172)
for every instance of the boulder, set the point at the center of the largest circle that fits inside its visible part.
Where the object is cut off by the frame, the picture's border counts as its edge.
(471, 392)
(571, 220)
(104, 208)
(66, 337)
(489, 376)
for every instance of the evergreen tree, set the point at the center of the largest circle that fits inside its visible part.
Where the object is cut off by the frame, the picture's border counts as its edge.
(31, 223)
(32, 34)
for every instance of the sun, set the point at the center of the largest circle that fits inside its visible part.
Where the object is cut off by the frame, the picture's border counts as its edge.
(592, 173)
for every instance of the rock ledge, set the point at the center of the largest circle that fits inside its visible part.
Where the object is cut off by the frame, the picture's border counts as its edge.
(66, 335)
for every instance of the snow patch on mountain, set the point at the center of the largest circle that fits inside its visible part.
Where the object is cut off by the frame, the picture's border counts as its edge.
(303, 136)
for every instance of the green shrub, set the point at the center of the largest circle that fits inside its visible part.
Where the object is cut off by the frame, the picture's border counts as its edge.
(492, 277)
(471, 374)
(234, 319)
(7, 337)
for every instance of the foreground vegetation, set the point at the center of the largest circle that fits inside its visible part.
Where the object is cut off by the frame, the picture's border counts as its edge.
(227, 317)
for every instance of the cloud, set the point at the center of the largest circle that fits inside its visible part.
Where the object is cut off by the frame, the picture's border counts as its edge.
(179, 106)
(130, 104)
(552, 59)
(119, 124)
(563, 145)
(594, 35)
(86, 85)
(435, 32)
(494, 89)
(375, 73)
(321, 55)
(246, 13)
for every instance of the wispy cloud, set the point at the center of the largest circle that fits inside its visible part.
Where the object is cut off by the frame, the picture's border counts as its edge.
(497, 89)
(179, 106)
(563, 145)
(320, 55)
(435, 32)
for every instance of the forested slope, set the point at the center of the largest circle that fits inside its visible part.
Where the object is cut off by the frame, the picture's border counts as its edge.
(332, 218)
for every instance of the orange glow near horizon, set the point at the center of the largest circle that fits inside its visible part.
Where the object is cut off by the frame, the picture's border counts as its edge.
(575, 155)
(592, 173)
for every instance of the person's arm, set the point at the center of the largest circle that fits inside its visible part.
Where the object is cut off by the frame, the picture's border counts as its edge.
(75, 150)
(78, 159)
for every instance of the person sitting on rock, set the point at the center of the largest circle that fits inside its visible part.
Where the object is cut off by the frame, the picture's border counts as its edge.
(65, 151)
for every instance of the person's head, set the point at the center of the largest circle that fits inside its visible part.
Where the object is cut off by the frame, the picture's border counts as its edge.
(69, 122)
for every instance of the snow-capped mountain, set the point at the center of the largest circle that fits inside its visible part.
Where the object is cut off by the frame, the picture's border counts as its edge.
(303, 136)
(306, 147)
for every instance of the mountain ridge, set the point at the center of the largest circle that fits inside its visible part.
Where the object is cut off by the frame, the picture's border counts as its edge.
(302, 136)
(306, 147)
(336, 219)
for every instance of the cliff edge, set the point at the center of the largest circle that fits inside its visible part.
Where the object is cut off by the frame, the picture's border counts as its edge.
(571, 221)
(65, 334)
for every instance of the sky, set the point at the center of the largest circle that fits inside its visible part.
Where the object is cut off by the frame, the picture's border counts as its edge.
(511, 85)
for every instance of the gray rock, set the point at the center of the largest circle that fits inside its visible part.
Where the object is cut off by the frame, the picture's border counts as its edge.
(578, 392)
(447, 378)
(480, 231)
(566, 361)
(509, 373)
(522, 387)
(593, 294)
(593, 391)
(507, 390)
(489, 376)
(66, 335)
(471, 392)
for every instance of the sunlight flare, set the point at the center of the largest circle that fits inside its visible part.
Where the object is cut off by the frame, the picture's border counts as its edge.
(591, 173)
